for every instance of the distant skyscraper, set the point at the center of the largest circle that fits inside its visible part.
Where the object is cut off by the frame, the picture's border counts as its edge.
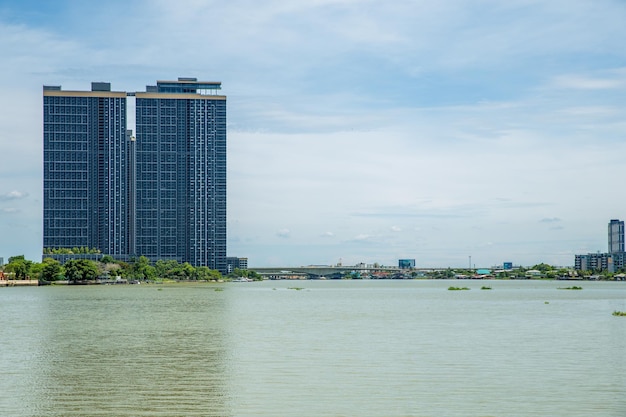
(86, 171)
(181, 173)
(616, 236)
(161, 194)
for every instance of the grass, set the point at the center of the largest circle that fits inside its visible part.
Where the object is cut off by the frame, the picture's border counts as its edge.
(570, 288)
(485, 288)
(295, 288)
(619, 313)
(457, 288)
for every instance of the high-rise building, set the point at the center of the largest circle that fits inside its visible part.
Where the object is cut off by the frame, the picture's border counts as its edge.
(86, 177)
(160, 194)
(616, 236)
(181, 172)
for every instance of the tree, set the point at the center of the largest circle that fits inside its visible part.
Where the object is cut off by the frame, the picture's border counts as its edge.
(80, 270)
(107, 259)
(166, 269)
(202, 273)
(16, 258)
(543, 267)
(142, 269)
(19, 266)
(51, 270)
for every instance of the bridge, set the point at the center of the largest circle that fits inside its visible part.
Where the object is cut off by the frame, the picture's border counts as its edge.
(331, 272)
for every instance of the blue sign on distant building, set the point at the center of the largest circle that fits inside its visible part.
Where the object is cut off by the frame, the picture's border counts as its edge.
(406, 263)
(508, 265)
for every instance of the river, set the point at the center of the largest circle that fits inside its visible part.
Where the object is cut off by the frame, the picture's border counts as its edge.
(314, 348)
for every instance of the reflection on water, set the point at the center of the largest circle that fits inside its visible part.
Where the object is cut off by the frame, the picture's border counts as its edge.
(111, 351)
(334, 348)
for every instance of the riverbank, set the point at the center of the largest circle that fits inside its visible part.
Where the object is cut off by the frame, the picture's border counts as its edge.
(19, 283)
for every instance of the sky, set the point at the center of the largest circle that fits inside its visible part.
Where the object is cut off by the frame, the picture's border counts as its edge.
(456, 133)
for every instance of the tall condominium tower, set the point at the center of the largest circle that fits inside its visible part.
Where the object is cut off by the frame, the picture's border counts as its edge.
(86, 170)
(181, 173)
(616, 236)
(161, 194)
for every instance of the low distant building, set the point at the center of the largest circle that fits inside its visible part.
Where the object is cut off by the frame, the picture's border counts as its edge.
(406, 263)
(232, 263)
(611, 262)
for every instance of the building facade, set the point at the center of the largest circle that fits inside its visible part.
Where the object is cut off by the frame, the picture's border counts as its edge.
(181, 173)
(232, 263)
(159, 194)
(593, 262)
(86, 170)
(616, 236)
(406, 263)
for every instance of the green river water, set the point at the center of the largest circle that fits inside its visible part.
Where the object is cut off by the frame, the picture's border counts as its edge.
(314, 348)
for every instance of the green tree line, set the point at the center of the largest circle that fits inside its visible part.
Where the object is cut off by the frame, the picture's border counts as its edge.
(137, 269)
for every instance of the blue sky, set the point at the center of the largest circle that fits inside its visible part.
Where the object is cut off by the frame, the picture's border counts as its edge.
(360, 131)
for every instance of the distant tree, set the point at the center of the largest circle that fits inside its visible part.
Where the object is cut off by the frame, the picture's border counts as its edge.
(35, 270)
(80, 270)
(215, 275)
(19, 266)
(51, 270)
(202, 273)
(142, 269)
(166, 268)
(107, 259)
(187, 270)
(124, 269)
(16, 258)
(543, 267)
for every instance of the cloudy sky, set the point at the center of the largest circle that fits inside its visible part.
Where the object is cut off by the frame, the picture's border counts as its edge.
(359, 131)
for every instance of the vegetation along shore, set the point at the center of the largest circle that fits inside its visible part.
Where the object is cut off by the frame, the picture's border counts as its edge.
(107, 270)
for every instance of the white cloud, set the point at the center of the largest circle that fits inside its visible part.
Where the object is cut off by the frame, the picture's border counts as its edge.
(13, 195)
(589, 83)
(550, 220)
